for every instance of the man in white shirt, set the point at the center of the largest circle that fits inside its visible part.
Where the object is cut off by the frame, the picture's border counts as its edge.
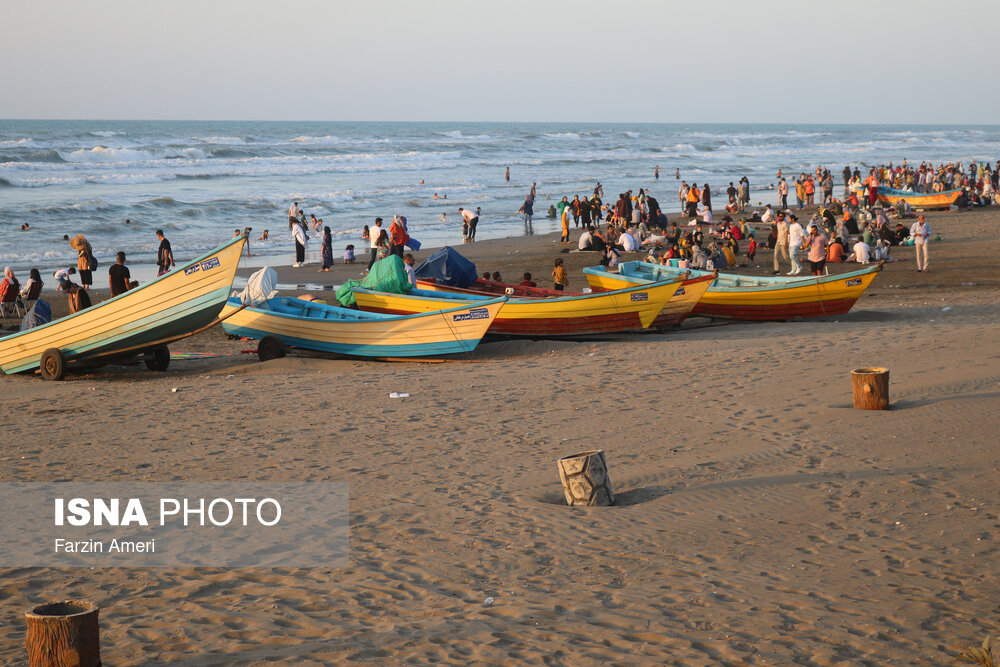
(796, 235)
(627, 242)
(768, 215)
(921, 233)
(861, 251)
(373, 235)
(293, 212)
(586, 241)
(706, 215)
(781, 243)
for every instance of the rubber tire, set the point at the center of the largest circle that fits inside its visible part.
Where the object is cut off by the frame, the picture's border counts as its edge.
(270, 347)
(53, 364)
(157, 359)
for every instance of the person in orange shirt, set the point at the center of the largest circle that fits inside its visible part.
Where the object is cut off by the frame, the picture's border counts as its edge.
(810, 191)
(693, 198)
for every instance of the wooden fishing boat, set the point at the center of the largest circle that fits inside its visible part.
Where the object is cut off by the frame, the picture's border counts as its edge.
(142, 321)
(674, 312)
(627, 309)
(756, 297)
(943, 199)
(316, 326)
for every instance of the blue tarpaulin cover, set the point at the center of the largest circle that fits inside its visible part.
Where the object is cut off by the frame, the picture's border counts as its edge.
(448, 267)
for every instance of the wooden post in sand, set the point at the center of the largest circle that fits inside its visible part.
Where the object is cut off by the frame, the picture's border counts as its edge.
(585, 479)
(871, 388)
(63, 634)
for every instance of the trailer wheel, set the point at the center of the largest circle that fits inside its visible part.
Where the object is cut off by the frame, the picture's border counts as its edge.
(53, 364)
(157, 359)
(269, 348)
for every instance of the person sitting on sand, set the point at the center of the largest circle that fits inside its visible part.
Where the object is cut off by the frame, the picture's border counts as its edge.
(626, 242)
(349, 254)
(861, 251)
(496, 277)
(900, 235)
(78, 298)
(768, 216)
(586, 241)
(527, 282)
(611, 257)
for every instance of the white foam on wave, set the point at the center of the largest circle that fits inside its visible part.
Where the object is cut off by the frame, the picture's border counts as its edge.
(104, 133)
(222, 141)
(25, 141)
(306, 139)
(631, 134)
(561, 135)
(118, 155)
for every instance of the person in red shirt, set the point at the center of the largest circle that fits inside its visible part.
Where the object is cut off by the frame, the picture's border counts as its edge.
(527, 282)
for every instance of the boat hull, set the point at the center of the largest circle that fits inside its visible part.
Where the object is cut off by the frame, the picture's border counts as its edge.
(629, 309)
(761, 298)
(341, 331)
(919, 199)
(681, 304)
(180, 302)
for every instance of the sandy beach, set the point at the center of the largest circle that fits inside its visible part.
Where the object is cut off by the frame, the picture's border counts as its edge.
(761, 520)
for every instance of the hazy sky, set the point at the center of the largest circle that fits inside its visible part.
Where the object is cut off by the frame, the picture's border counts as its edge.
(512, 60)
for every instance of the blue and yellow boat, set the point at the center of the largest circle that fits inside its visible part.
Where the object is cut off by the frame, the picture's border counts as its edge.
(310, 325)
(139, 322)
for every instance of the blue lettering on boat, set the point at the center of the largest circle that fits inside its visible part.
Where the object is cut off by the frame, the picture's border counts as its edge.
(680, 290)
(852, 282)
(211, 263)
(473, 314)
(640, 296)
(194, 268)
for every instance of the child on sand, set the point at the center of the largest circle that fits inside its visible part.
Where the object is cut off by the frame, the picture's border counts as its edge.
(349, 254)
(560, 276)
(752, 249)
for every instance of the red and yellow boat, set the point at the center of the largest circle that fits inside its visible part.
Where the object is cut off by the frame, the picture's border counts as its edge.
(629, 309)
(739, 297)
(674, 312)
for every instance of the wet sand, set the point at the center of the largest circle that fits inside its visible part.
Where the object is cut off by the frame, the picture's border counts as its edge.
(761, 519)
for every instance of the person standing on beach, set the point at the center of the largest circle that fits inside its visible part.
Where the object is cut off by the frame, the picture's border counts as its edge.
(783, 193)
(810, 188)
(164, 255)
(745, 182)
(796, 236)
(817, 250)
(373, 242)
(469, 222)
(781, 242)
(119, 277)
(560, 277)
(847, 178)
(800, 191)
(921, 233)
(706, 197)
(527, 210)
(327, 249)
(301, 238)
(564, 218)
(682, 194)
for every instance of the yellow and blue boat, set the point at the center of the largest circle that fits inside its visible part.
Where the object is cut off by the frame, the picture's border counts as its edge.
(310, 325)
(628, 309)
(942, 199)
(140, 321)
(739, 297)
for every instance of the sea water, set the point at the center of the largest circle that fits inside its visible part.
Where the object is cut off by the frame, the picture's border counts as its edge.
(200, 181)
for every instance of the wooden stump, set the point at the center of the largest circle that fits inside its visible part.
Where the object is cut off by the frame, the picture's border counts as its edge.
(585, 479)
(63, 634)
(871, 388)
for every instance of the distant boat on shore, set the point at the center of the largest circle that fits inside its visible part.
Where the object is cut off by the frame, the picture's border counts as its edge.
(944, 199)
